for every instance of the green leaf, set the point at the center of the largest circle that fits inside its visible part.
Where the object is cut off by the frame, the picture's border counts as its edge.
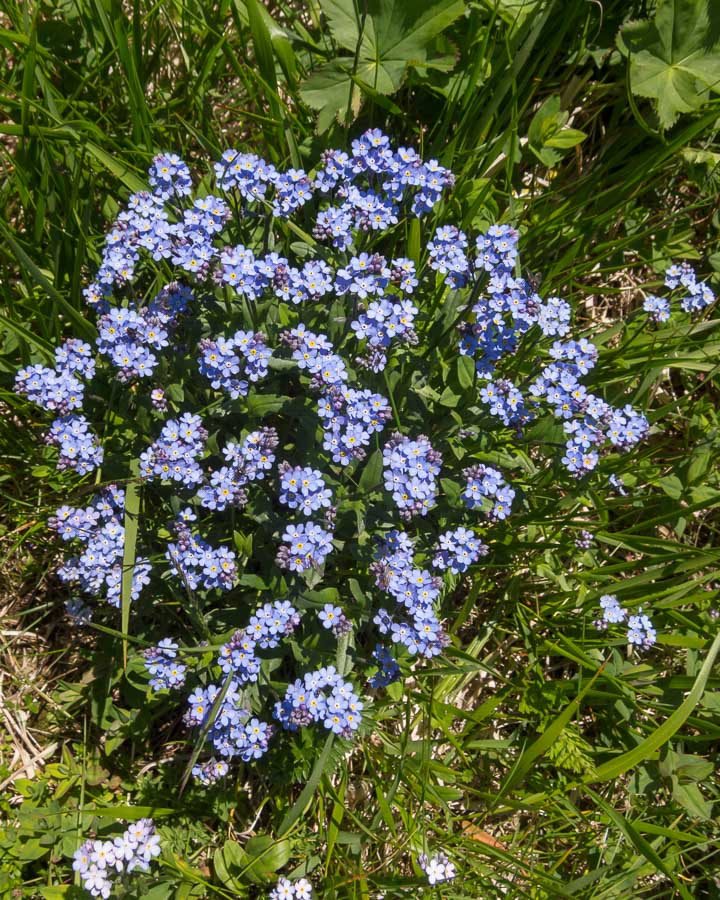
(568, 137)
(692, 800)
(264, 856)
(372, 473)
(393, 37)
(306, 795)
(465, 371)
(132, 512)
(675, 58)
(547, 132)
(653, 742)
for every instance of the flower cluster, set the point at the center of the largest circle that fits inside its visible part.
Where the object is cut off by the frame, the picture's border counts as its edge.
(388, 668)
(412, 588)
(233, 731)
(161, 663)
(99, 528)
(315, 355)
(77, 445)
(267, 627)
(457, 550)
(437, 868)
(657, 308)
(246, 462)
(349, 419)
(59, 389)
(411, 471)
(99, 863)
(306, 547)
(382, 322)
(699, 295)
(303, 489)
(174, 455)
(127, 336)
(291, 890)
(210, 772)
(222, 365)
(197, 563)
(487, 490)
(640, 630)
(588, 421)
(321, 696)
(169, 175)
(372, 183)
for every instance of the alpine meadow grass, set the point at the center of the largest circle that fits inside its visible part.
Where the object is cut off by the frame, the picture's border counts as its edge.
(359, 378)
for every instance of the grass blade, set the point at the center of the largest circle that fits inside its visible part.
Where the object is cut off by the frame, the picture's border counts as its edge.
(661, 735)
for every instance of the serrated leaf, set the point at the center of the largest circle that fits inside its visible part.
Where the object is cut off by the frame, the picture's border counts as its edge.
(395, 36)
(675, 58)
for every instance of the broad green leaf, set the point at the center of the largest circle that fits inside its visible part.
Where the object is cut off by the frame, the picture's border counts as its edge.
(392, 37)
(466, 371)
(372, 473)
(675, 58)
(344, 22)
(568, 137)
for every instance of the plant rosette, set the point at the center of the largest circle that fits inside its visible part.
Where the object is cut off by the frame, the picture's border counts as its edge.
(310, 409)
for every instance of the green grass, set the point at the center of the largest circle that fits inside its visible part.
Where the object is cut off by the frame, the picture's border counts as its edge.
(545, 762)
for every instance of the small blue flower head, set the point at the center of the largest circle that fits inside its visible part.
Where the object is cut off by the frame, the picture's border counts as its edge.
(437, 868)
(457, 550)
(641, 633)
(169, 176)
(657, 308)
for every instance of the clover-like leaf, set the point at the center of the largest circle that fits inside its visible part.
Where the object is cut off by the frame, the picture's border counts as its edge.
(675, 58)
